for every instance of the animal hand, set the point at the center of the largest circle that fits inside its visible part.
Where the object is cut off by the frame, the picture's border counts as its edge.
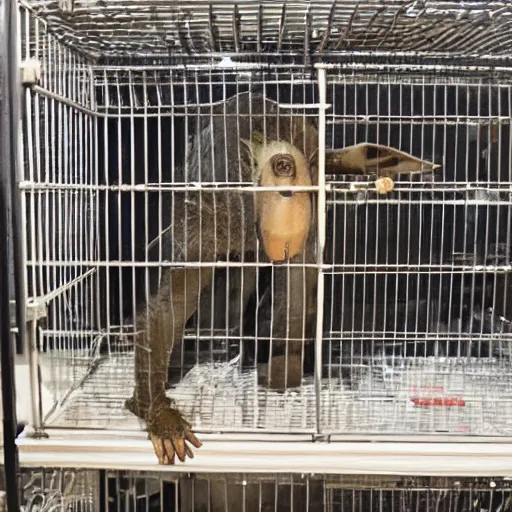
(170, 432)
(384, 185)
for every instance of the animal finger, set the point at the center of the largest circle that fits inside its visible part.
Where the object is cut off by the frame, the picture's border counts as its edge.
(384, 185)
(169, 450)
(190, 453)
(159, 448)
(190, 436)
(179, 446)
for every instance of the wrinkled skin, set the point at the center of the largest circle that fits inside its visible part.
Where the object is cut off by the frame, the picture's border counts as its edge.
(212, 227)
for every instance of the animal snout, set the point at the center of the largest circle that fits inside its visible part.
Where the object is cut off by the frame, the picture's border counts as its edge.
(283, 165)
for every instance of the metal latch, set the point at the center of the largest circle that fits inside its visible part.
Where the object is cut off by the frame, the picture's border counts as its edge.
(30, 72)
(35, 310)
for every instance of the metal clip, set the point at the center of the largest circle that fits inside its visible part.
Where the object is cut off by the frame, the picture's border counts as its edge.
(30, 72)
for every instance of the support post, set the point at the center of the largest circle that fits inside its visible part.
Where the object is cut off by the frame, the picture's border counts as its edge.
(321, 226)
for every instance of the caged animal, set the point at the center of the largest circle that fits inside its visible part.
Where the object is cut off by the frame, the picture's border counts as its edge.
(247, 139)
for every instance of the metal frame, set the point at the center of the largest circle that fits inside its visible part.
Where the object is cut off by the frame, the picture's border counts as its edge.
(274, 453)
(11, 262)
(339, 187)
(337, 456)
(32, 185)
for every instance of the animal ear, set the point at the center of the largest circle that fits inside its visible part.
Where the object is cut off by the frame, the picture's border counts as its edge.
(249, 147)
(257, 138)
(251, 154)
(247, 144)
(256, 141)
(313, 157)
(304, 137)
(376, 159)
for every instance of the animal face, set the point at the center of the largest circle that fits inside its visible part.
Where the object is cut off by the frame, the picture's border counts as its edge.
(283, 219)
(278, 163)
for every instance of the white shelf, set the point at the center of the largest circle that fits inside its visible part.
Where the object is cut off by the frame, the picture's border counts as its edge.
(132, 451)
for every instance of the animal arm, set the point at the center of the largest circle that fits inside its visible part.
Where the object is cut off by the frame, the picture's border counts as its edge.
(385, 161)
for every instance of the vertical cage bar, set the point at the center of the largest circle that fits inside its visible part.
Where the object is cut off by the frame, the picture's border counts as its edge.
(9, 200)
(321, 199)
(29, 349)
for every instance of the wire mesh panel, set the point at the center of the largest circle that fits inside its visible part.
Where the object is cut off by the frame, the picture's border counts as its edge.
(60, 489)
(59, 151)
(116, 491)
(422, 494)
(419, 324)
(155, 29)
(146, 120)
(144, 226)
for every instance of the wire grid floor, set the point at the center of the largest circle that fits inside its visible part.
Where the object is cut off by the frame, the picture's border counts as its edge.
(384, 396)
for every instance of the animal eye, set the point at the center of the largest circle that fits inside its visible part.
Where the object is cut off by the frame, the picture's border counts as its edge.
(283, 165)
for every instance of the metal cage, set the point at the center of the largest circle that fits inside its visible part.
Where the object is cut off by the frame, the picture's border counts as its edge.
(80, 490)
(414, 289)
